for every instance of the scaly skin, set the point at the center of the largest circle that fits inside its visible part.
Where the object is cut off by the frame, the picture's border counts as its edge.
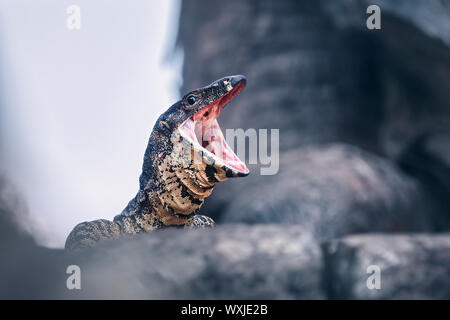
(171, 188)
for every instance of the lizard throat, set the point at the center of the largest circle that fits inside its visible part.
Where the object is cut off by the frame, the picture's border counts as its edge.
(183, 185)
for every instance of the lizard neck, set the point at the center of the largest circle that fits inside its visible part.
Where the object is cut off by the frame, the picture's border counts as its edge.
(182, 181)
(176, 187)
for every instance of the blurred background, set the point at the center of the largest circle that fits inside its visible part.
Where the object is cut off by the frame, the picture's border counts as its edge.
(364, 121)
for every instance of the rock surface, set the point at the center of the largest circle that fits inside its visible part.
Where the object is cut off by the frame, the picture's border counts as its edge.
(411, 266)
(234, 261)
(319, 75)
(230, 262)
(316, 72)
(332, 191)
(428, 159)
(27, 270)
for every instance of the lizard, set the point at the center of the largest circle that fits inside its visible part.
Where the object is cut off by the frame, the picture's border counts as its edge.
(186, 156)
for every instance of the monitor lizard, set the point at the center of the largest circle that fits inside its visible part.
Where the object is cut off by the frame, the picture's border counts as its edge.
(185, 157)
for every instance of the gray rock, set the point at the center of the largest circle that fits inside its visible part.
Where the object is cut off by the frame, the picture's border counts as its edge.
(411, 266)
(316, 72)
(13, 207)
(431, 17)
(27, 270)
(305, 75)
(230, 262)
(332, 190)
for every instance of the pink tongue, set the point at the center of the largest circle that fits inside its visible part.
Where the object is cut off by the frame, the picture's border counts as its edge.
(206, 125)
(188, 129)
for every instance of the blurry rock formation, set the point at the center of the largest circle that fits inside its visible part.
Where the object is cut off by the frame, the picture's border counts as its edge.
(333, 190)
(411, 266)
(320, 76)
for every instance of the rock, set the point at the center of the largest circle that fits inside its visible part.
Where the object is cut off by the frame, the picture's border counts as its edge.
(316, 72)
(230, 262)
(428, 159)
(431, 17)
(294, 57)
(233, 262)
(332, 190)
(320, 76)
(411, 266)
(14, 208)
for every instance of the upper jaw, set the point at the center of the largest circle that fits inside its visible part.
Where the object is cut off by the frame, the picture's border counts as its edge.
(237, 79)
(222, 91)
(231, 82)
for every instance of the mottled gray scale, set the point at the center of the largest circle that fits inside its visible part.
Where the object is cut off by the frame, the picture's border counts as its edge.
(170, 189)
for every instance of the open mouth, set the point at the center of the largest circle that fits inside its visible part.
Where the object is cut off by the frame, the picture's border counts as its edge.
(202, 129)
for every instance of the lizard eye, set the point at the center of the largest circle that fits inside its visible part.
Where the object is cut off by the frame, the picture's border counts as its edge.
(191, 100)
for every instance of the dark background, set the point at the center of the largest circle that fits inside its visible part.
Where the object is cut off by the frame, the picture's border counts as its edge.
(364, 164)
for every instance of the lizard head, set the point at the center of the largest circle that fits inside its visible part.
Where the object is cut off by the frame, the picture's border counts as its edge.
(193, 120)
